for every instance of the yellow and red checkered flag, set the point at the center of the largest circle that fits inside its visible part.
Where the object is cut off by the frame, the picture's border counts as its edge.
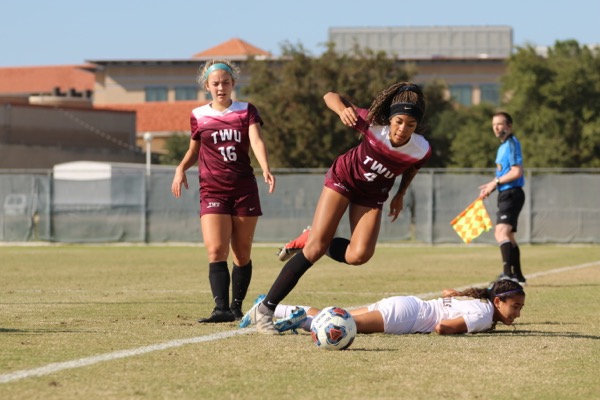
(472, 221)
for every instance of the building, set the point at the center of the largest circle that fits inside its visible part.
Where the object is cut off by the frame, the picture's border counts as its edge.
(161, 93)
(164, 92)
(469, 59)
(47, 117)
(65, 85)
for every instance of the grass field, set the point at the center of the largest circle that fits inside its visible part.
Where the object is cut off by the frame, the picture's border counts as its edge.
(118, 322)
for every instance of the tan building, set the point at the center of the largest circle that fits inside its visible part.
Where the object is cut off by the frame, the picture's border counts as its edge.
(67, 85)
(162, 93)
(46, 117)
(469, 59)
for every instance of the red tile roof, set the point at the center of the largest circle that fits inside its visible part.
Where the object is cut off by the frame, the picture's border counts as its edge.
(33, 80)
(160, 116)
(232, 48)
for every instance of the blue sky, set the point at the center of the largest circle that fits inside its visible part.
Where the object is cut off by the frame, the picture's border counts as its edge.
(72, 31)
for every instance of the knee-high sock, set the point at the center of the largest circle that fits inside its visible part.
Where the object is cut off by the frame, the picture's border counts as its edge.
(505, 251)
(515, 257)
(337, 249)
(240, 281)
(218, 276)
(289, 276)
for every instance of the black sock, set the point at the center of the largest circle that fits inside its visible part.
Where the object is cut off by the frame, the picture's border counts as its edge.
(289, 276)
(240, 280)
(506, 250)
(337, 249)
(218, 276)
(515, 258)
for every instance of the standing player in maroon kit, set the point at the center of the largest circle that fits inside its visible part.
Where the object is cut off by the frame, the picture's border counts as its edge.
(222, 133)
(360, 180)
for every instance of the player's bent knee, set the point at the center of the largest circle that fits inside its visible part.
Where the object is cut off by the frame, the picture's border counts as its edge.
(358, 259)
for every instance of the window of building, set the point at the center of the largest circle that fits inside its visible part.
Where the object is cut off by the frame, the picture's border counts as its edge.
(156, 93)
(185, 93)
(462, 94)
(490, 93)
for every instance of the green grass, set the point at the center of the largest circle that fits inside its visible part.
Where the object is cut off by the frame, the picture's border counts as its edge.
(63, 303)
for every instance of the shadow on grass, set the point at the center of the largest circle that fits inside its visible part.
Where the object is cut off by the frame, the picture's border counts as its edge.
(104, 303)
(562, 285)
(41, 331)
(533, 332)
(382, 350)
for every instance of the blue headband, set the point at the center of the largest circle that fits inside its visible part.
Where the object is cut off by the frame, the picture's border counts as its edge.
(217, 66)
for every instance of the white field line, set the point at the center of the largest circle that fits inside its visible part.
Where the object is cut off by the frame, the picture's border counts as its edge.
(82, 362)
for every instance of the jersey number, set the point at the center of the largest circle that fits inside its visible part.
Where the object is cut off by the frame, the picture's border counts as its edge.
(228, 153)
(370, 176)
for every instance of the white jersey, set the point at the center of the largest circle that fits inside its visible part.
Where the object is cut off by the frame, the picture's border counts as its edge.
(409, 314)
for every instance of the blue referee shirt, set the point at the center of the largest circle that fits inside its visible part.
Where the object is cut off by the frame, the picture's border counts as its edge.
(509, 154)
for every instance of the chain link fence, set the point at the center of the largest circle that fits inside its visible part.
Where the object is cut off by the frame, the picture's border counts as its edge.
(108, 203)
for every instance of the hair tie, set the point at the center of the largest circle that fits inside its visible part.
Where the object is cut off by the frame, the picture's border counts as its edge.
(408, 88)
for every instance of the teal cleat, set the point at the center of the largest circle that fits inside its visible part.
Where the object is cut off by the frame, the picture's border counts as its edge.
(293, 322)
(247, 320)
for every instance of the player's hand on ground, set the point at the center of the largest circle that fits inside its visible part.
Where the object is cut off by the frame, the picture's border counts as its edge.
(449, 293)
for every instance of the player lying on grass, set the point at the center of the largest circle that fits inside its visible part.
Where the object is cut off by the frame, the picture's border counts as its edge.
(468, 311)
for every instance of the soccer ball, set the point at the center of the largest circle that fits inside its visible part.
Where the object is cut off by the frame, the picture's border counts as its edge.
(333, 329)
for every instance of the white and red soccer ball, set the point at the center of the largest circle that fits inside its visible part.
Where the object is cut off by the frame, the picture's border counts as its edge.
(333, 329)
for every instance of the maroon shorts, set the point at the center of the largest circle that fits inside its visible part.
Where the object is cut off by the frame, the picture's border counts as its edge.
(353, 194)
(245, 205)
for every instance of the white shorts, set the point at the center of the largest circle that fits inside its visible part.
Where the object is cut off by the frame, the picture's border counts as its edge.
(399, 313)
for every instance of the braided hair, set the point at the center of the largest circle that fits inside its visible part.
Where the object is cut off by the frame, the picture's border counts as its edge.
(402, 92)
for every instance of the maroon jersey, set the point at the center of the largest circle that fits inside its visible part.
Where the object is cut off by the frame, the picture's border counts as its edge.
(224, 161)
(367, 172)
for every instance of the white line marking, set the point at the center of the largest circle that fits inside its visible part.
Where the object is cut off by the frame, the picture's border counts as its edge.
(82, 362)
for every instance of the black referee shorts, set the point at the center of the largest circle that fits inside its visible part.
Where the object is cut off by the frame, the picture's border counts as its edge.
(510, 203)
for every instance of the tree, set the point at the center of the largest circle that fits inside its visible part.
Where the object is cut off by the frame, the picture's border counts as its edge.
(176, 145)
(555, 103)
(299, 130)
(474, 144)
(440, 124)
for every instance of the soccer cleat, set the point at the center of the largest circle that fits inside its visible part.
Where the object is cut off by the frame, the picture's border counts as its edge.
(218, 316)
(521, 280)
(246, 318)
(293, 322)
(236, 309)
(263, 321)
(293, 246)
(502, 277)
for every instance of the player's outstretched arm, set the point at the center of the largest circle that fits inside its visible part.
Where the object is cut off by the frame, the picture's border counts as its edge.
(449, 293)
(452, 326)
